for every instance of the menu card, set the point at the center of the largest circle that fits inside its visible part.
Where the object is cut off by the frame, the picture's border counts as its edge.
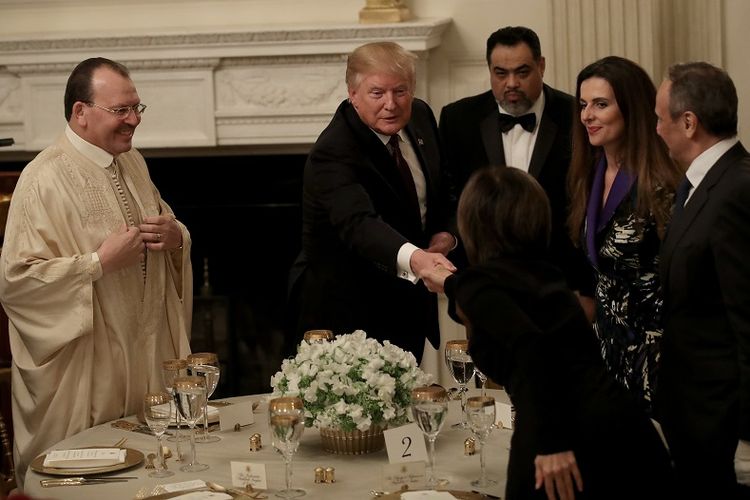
(85, 458)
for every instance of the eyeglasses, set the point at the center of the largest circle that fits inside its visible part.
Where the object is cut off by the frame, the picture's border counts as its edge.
(123, 111)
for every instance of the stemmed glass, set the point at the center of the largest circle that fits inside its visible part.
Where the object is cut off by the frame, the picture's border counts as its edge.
(286, 422)
(206, 365)
(461, 368)
(171, 369)
(190, 396)
(482, 379)
(429, 406)
(157, 410)
(481, 412)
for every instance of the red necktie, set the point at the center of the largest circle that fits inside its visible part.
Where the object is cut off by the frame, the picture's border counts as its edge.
(405, 173)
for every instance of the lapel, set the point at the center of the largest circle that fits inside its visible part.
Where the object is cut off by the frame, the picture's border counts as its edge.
(545, 137)
(489, 127)
(680, 224)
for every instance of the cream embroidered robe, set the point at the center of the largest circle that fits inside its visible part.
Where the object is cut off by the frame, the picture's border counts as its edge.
(84, 351)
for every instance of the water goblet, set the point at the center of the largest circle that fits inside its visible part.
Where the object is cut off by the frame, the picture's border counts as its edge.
(481, 413)
(171, 369)
(461, 368)
(157, 410)
(206, 365)
(190, 396)
(429, 406)
(286, 423)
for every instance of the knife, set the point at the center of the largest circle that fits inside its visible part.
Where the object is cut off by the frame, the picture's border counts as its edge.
(78, 481)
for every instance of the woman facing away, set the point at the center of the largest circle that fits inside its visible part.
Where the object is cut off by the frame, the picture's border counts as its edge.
(579, 433)
(622, 184)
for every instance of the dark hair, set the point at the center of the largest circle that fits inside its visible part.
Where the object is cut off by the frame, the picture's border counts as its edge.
(510, 36)
(503, 211)
(644, 155)
(708, 92)
(78, 87)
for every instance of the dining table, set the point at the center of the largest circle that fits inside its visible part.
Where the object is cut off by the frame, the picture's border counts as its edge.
(356, 476)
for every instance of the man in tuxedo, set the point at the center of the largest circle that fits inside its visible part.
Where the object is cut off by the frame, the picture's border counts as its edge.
(703, 396)
(374, 215)
(523, 123)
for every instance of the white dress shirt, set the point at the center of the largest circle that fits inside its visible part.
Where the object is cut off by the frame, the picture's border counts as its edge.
(518, 144)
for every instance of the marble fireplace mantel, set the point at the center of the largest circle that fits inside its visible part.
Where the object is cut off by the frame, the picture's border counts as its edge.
(271, 86)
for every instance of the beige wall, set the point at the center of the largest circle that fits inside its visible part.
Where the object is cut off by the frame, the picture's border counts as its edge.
(573, 32)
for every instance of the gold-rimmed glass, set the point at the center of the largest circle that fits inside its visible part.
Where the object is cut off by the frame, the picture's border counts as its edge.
(157, 410)
(206, 365)
(481, 413)
(190, 396)
(461, 368)
(429, 406)
(170, 370)
(286, 421)
(318, 336)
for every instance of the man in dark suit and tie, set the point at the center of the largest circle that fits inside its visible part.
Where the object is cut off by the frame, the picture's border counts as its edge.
(523, 123)
(374, 208)
(703, 396)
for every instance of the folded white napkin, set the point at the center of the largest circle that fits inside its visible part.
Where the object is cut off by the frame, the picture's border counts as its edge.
(85, 458)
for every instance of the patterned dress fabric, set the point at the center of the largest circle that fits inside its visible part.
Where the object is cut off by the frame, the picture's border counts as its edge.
(628, 320)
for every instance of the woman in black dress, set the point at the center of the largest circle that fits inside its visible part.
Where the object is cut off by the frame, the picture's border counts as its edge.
(579, 433)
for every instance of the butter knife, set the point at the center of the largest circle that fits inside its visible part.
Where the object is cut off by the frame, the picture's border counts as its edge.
(78, 481)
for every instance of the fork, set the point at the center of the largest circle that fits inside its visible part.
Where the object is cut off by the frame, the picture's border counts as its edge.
(77, 481)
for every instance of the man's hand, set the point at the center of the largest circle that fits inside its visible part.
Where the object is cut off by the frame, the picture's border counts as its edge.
(422, 261)
(442, 243)
(434, 278)
(742, 462)
(121, 249)
(557, 472)
(161, 232)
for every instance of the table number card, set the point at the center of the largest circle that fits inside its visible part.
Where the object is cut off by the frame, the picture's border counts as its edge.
(411, 474)
(238, 413)
(244, 473)
(405, 444)
(503, 414)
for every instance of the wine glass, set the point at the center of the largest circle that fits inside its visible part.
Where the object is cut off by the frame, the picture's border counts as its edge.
(318, 336)
(482, 379)
(206, 365)
(429, 406)
(481, 413)
(461, 368)
(171, 369)
(286, 423)
(190, 396)
(157, 410)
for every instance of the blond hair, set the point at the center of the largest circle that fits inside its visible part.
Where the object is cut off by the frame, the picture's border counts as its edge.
(383, 57)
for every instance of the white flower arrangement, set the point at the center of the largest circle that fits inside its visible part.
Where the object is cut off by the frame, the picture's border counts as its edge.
(351, 382)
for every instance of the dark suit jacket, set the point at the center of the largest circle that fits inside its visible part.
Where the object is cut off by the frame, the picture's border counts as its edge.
(703, 395)
(471, 139)
(528, 332)
(356, 216)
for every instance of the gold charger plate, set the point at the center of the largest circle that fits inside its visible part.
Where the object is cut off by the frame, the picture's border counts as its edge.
(461, 495)
(132, 458)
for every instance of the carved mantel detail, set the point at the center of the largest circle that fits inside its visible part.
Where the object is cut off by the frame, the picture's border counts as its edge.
(259, 87)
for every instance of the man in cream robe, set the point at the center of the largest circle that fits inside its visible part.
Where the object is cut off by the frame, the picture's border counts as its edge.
(88, 337)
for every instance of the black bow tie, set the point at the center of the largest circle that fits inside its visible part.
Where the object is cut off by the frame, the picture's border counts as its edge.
(527, 121)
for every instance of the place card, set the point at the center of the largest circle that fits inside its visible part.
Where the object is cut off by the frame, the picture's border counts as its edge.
(238, 413)
(405, 444)
(84, 458)
(427, 495)
(244, 473)
(410, 474)
(504, 415)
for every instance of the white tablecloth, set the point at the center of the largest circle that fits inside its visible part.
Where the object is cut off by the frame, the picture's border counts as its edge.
(355, 475)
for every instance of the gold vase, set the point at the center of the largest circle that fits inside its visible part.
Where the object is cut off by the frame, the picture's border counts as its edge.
(352, 442)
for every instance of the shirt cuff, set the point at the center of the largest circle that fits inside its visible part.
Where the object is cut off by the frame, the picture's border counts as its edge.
(403, 258)
(96, 267)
